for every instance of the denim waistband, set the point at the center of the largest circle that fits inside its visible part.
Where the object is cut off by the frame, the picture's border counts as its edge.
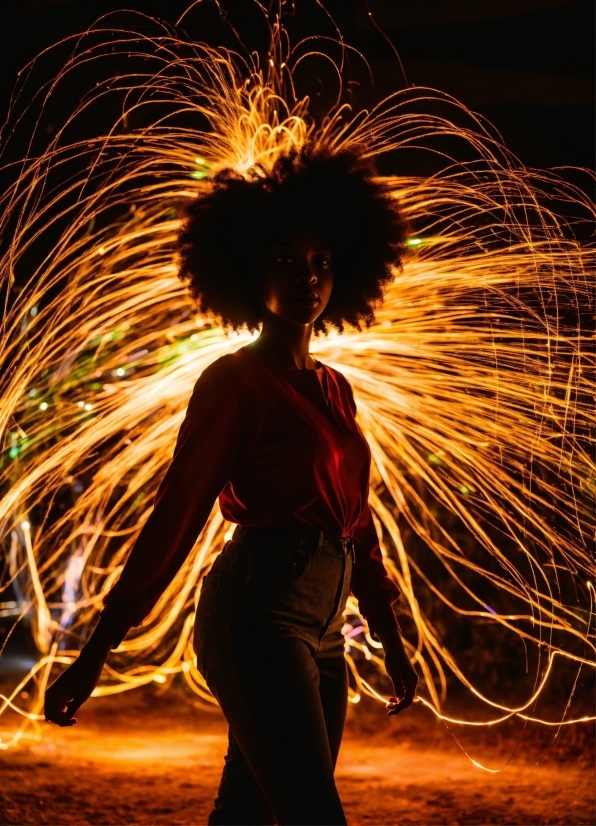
(319, 541)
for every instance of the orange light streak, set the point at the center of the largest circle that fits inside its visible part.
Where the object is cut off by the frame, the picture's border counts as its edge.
(473, 386)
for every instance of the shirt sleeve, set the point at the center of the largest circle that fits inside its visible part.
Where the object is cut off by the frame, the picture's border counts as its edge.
(204, 455)
(371, 585)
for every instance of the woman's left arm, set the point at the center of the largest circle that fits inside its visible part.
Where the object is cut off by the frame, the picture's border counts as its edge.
(398, 666)
(376, 593)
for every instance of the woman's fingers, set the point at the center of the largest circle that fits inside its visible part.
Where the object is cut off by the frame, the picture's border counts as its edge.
(61, 716)
(61, 710)
(76, 702)
(62, 699)
(62, 719)
(57, 709)
(404, 698)
(394, 706)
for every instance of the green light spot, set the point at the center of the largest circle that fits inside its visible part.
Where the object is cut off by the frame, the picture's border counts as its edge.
(434, 459)
(138, 499)
(414, 242)
(464, 490)
(198, 175)
(13, 452)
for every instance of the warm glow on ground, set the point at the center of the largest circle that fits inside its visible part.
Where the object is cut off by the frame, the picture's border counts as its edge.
(157, 760)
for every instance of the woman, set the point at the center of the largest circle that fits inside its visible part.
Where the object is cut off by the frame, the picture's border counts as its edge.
(272, 432)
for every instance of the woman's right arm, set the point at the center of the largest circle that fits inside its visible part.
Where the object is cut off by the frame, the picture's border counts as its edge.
(204, 455)
(75, 685)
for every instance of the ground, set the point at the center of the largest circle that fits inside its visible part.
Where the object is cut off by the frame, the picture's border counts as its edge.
(155, 758)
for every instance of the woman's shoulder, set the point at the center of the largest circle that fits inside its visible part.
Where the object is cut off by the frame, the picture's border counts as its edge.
(336, 375)
(226, 372)
(344, 388)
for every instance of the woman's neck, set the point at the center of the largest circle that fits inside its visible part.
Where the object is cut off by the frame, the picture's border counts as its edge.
(285, 344)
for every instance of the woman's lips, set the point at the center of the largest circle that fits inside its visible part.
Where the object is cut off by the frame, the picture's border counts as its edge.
(307, 301)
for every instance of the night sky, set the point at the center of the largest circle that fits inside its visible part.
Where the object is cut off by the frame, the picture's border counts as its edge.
(526, 65)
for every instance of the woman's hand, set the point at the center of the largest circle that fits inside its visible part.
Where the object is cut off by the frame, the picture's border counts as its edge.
(397, 663)
(75, 685)
(402, 674)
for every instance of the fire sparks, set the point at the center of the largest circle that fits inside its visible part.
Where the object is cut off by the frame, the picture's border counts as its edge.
(473, 386)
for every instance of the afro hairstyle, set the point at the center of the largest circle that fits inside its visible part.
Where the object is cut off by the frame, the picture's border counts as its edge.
(226, 231)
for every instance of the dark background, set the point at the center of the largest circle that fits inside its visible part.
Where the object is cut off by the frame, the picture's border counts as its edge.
(526, 65)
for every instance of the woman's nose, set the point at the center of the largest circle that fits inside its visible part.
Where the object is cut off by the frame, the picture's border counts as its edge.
(306, 275)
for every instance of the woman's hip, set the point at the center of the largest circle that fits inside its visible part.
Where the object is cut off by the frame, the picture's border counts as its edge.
(273, 585)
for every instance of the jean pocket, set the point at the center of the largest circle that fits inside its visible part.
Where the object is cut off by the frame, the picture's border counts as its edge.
(279, 564)
(209, 589)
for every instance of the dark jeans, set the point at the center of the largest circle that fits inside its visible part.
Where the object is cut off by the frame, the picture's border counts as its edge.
(269, 644)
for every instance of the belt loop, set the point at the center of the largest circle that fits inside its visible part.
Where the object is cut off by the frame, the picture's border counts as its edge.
(320, 542)
(352, 551)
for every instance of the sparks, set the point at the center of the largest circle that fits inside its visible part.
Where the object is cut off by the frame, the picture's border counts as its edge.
(476, 369)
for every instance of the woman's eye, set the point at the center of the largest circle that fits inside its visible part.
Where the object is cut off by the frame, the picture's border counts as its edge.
(283, 259)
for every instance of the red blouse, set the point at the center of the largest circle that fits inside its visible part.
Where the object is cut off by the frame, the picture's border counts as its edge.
(279, 447)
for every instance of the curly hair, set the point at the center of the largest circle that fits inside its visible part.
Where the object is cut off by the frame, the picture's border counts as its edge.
(225, 234)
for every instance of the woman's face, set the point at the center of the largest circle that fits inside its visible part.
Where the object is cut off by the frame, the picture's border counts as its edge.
(297, 277)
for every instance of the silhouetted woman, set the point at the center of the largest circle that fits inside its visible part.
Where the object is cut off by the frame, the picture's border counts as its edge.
(272, 433)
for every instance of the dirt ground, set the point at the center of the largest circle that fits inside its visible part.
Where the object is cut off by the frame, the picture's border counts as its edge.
(156, 758)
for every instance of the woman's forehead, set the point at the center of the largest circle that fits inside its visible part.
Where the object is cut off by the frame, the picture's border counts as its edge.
(296, 237)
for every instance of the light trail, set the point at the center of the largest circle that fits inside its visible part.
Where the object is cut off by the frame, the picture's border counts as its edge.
(474, 385)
